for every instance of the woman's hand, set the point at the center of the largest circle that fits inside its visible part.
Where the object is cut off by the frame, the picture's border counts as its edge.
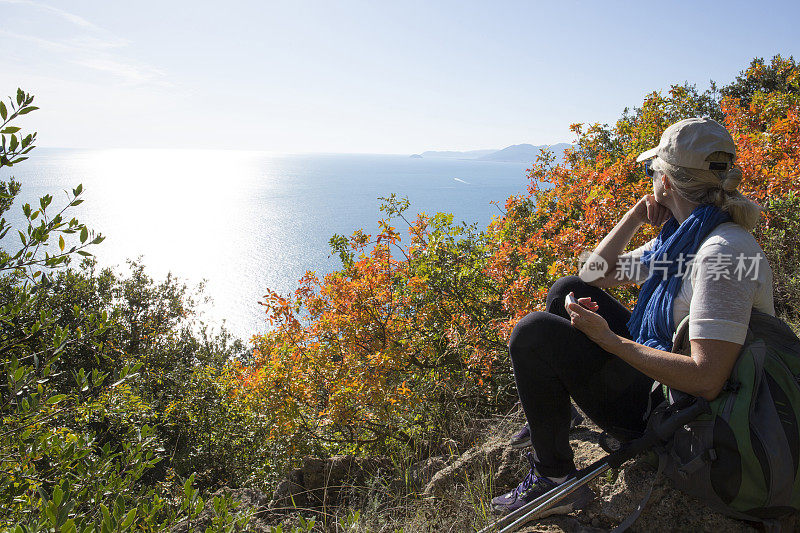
(594, 326)
(647, 209)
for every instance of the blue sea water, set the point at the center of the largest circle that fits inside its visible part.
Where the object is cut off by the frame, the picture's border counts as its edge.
(248, 221)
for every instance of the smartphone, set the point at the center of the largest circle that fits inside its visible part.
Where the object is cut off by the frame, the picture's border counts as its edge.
(570, 299)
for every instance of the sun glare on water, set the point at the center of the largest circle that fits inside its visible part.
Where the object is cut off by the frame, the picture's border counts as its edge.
(184, 211)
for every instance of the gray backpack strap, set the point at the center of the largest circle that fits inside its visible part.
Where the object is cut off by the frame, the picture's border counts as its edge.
(628, 522)
(680, 339)
(649, 409)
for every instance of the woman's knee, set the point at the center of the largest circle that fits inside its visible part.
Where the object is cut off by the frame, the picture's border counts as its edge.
(564, 285)
(532, 331)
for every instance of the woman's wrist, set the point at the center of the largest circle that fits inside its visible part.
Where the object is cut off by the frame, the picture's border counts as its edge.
(611, 343)
(633, 218)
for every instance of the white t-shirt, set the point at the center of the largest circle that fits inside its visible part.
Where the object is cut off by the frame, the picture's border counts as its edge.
(728, 276)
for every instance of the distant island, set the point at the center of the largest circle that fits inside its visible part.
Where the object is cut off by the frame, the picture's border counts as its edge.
(518, 153)
(472, 154)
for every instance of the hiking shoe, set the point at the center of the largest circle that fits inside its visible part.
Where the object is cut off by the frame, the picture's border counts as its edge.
(534, 486)
(522, 438)
(576, 418)
(608, 443)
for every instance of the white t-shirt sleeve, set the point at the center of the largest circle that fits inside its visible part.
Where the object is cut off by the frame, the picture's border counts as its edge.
(721, 302)
(630, 267)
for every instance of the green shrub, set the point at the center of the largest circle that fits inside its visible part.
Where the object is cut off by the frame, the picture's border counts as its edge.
(81, 355)
(781, 244)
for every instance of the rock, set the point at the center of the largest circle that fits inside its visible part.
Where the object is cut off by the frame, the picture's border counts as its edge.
(328, 482)
(420, 473)
(455, 490)
(619, 493)
(493, 456)
(667, 509)
(287, 488)
(246, 497)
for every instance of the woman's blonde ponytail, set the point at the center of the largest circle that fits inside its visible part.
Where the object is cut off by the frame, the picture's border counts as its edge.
(716, 187)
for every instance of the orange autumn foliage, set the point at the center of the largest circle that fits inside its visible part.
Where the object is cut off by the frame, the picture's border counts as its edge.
(412, 330)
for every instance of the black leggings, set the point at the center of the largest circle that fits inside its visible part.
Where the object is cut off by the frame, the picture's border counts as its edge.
(553, 360)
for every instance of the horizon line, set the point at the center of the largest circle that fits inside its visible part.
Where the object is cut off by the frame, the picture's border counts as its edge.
(271, 152)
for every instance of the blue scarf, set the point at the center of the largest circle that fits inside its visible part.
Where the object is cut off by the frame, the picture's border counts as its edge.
(651, 322)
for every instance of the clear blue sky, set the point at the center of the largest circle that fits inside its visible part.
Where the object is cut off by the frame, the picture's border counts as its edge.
(364, 76)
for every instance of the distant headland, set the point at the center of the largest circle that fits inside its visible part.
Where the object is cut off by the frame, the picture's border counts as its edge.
(515, 153)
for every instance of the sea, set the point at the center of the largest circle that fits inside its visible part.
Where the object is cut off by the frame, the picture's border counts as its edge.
(245, 222)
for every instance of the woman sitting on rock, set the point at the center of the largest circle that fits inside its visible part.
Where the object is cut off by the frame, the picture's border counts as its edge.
(704, 264)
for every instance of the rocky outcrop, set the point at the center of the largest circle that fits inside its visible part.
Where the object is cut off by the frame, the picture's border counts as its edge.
(421, 473)
(493, 457)
(617, 493)
(329, 482)
(450, 492)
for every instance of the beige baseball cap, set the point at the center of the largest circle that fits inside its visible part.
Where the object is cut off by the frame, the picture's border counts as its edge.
(689, 142)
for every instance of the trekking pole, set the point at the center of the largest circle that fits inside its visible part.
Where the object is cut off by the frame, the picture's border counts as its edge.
(652, 437)
(533, 508)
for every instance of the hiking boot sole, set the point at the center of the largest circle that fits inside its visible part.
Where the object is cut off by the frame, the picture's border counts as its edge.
(522, 444)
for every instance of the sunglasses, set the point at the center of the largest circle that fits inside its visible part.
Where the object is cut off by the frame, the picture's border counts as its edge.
(649, 171)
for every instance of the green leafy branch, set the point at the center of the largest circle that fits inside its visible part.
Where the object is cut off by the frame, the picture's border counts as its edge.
(14, 144)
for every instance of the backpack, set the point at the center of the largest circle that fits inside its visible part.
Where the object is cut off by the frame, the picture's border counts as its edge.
(743, 458)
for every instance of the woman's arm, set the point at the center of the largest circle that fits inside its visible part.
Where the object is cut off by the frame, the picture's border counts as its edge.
(702, 374)
(611, 247)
